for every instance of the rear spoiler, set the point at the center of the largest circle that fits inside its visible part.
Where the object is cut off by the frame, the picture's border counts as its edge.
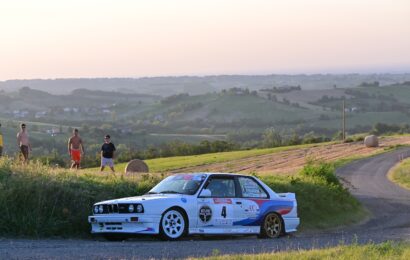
(287, 195)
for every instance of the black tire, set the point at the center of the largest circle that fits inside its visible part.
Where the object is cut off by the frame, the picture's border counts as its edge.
(272, 226)
(115, 237)
(173, 225)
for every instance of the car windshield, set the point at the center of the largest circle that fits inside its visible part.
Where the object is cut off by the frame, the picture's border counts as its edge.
(179, 184)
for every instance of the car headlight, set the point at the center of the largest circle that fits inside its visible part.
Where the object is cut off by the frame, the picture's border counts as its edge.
(101, 209)
(131, 208)
(95, 209)
(140, 208)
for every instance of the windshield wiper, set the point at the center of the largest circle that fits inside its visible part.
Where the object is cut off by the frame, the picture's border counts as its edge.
(170, 191)
(152, 192)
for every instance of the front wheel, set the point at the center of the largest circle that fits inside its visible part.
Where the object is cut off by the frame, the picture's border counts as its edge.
(272, 226)
(173, 225)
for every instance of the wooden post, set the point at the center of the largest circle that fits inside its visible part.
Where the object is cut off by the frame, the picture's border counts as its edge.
(344, 120)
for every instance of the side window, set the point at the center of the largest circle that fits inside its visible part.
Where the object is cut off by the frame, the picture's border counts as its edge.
(251, 189)
(222, 187)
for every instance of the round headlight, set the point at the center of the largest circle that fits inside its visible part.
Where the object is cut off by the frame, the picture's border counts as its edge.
(140, 208)
(95, 209)
(131, 208)
(101, 209)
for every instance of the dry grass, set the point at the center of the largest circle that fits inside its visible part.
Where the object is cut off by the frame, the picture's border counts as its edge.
(387, 250)
(400, 174)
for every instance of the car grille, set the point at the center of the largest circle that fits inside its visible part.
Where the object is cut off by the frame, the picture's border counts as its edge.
(114, 209)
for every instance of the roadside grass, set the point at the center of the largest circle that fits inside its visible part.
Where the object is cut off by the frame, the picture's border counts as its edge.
(386, 250)
(400, 174)
(40, 201)
(178, 162)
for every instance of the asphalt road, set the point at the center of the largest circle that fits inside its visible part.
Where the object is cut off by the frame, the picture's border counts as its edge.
(388, 204)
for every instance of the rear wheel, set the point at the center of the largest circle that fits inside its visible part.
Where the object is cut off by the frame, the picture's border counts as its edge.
(272, 226)
(173, 225)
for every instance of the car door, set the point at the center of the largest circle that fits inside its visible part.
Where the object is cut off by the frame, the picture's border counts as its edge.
(248, 208)
(216, 211)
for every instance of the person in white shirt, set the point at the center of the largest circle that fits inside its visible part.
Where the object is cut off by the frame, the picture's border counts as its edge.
(23, 142)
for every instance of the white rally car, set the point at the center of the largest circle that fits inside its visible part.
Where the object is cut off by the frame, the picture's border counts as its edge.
(199, 203)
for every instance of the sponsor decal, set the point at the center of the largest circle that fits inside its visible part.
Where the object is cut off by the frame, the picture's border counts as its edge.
(186, 177)
(284, 211)
(224, 222)
(146, 230)
(222, 201)
(205, 214)
(265, 206)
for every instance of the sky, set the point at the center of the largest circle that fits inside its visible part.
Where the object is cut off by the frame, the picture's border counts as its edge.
(138, 38)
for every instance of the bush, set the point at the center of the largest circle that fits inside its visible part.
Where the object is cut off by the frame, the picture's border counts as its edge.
(322, 201)
(321, 170)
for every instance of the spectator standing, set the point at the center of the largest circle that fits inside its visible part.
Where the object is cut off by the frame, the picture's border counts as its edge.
(107, 154)
(23, 142)
(1, 142)
(75, 149)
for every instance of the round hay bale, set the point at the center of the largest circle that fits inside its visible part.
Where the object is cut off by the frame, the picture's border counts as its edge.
(136, 166)
(371, 141)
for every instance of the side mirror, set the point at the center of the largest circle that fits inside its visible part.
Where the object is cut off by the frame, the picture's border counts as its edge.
(205, 193)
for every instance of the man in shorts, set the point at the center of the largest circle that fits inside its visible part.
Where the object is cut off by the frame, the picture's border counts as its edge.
(23, 142)
(107, 154)
(75, 149)
(1, 142)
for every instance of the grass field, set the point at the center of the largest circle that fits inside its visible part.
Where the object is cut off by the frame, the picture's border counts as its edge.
(400, 92)
(400, 174)
(177, 162)
(387, 250)
(368, 118)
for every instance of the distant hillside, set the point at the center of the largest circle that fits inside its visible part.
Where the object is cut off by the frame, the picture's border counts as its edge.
(166, 86)
(218, 112)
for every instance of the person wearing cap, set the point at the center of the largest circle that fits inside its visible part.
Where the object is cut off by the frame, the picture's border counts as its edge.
(23, 142)
(1, 142)
(75, 149)
(107, 154)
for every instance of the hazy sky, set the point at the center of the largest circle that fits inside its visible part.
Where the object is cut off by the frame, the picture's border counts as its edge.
(133, 38)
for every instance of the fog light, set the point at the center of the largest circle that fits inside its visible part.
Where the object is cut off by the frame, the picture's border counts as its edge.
(134, 219)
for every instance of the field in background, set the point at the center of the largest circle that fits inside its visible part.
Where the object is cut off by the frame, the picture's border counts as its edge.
(282, 160)
(183, 162)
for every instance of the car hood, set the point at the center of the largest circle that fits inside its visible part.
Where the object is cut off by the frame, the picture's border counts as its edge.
(142, 199)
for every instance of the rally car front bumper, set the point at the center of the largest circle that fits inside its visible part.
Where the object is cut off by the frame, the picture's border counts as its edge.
(131, 223)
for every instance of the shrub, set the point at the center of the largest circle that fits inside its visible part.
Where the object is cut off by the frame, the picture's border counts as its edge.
(321, 170)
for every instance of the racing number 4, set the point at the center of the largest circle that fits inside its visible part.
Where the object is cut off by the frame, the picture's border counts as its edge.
(223, 213)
